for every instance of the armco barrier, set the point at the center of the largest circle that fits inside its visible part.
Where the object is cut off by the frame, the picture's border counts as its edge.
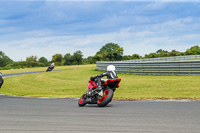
(153, 68)
(171, 58)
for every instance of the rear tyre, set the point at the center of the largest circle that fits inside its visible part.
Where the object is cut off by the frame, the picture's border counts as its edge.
(82, 101)
(47, 70)
(108, 95)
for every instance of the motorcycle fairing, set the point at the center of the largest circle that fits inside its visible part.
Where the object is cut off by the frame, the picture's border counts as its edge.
(112, 83)
(91, 85)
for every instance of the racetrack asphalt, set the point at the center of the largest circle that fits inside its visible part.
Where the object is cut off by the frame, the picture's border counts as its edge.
(54, 115)
(17, 74)
(30, 115)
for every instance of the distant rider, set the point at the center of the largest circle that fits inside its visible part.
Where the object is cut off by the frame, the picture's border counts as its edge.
(52, 65)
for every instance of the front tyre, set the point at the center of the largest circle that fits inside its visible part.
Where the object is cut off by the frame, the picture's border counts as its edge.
(82, 101)
(107, 97)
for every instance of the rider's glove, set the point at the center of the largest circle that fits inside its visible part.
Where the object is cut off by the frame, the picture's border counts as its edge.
(92, 78)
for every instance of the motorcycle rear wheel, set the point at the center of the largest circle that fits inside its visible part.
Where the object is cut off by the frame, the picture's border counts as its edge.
(82, 101)
(108, 95)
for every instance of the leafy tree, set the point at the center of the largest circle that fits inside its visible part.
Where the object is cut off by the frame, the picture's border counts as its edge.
(17, 65)
(4, 60)
(77, 58)
(136, 56)
(31, 58)
(57, 59)
(151, 55)
(31, 61)
(127, 57)
(174, 53)
(68, 59)
(89, 60)
(110, 51)
(101, 56)
(182, 53)
(193, 50)
(162, 53)
(44, 61)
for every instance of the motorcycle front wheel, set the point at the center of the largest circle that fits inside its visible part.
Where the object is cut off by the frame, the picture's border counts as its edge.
(82, 101)
(107, 97)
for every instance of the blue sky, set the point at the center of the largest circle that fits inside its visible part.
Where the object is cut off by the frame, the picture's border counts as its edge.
(48, 27)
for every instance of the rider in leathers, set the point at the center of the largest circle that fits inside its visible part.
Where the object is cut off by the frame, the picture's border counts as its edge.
(1, 79)
(110, 73)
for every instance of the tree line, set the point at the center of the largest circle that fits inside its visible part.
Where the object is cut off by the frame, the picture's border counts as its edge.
(108, 52)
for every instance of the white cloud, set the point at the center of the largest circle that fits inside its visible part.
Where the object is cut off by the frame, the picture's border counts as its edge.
(67, 27)
(140, 42)
(126, 0)
(154, 6)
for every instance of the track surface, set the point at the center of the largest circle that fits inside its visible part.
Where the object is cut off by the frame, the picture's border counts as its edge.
(17, 74)
(26, 115)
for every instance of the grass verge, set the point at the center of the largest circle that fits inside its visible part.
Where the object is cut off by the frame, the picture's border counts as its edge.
(73, 83)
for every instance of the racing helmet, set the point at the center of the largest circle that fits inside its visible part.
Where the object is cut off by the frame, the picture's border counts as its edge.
(110, 68)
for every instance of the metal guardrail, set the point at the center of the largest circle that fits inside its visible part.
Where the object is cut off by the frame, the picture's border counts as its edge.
(172, 58)
(153, 68)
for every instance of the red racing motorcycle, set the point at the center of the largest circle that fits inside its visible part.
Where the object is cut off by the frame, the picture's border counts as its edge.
(100, 97)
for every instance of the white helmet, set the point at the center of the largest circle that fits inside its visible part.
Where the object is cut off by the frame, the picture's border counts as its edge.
(110, 68)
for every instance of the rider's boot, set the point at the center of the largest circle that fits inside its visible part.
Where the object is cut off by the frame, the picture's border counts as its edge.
(89, 93)
(100, 93)
(99, 88)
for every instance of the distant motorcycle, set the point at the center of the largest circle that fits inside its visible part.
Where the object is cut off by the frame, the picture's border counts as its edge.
(1, 79)
(94, 96)
(50, 68)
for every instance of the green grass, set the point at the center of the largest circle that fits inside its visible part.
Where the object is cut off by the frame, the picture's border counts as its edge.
(73, 83)
(36, 69)
(195, 59)
(159, 87)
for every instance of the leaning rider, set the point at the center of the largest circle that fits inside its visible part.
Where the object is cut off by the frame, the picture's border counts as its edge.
(110, 73)
(1, 79)
(52, 65)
